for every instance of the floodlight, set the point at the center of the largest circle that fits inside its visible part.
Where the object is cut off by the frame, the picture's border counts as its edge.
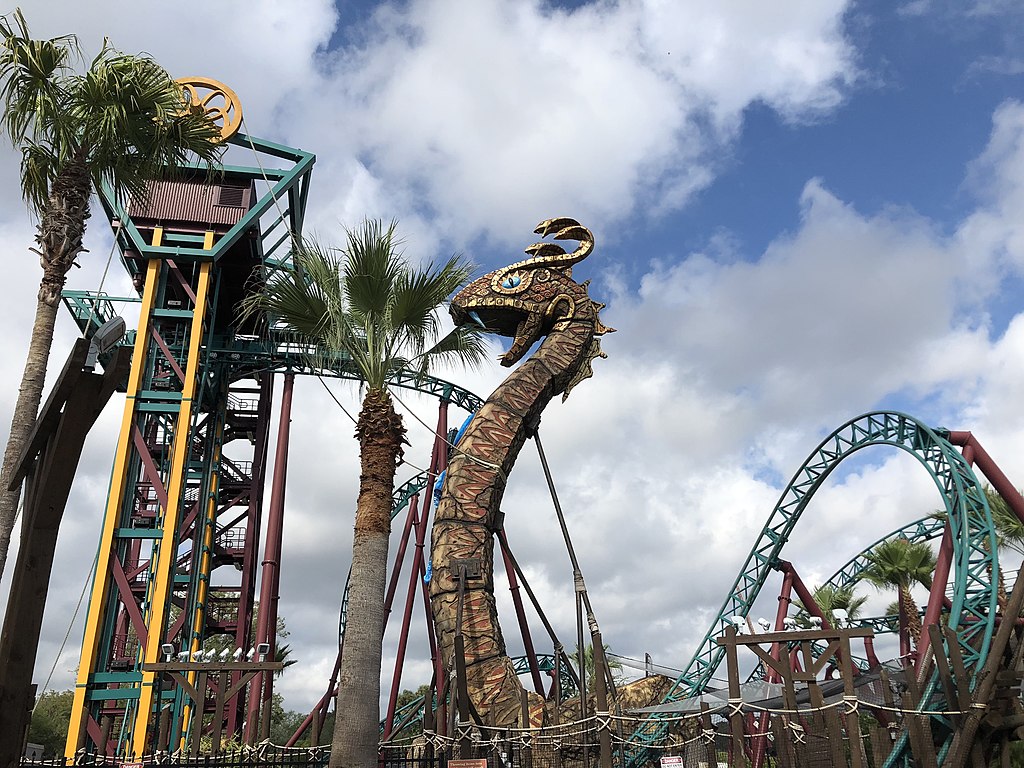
(167, 650)
(104, 339)
(262, 649)
(789, 623)
(740, 623)
(764, 624)
(237, 656)
(841, 616)
(816, 622)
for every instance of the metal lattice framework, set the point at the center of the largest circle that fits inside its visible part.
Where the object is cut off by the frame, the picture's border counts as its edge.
(975, 566)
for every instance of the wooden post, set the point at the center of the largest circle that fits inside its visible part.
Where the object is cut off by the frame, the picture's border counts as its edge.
(963, 738)
(164, 731)
(47, 465)
(429, 724)
(527, 756)
(198, 712)
(739, 758)
(604, 735)
(789, 702)
(850, 694)
(712, 744)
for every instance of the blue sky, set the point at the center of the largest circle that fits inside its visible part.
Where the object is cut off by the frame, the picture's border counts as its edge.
(804, 211)
(903, 136)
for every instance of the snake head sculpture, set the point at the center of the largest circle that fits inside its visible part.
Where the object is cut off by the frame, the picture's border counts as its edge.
(527, 300)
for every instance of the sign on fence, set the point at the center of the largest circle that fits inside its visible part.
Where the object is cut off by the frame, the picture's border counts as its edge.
(481, 763)
(667, 761)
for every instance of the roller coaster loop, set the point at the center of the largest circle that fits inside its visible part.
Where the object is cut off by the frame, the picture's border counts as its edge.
(974, 564)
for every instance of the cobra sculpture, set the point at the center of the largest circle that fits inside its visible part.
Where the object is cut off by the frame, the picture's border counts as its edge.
(528, 301)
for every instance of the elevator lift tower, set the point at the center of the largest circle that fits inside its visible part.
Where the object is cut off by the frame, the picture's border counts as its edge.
(177, 561)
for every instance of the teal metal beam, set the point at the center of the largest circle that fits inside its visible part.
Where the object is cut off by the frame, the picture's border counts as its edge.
(975, 565)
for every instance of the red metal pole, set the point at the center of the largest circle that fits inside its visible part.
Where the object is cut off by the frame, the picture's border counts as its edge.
(760, 742)
(318, 710)
(438, 465)
(991, 471)
(266, 629)
(937, 595)
(438, 461)
(250, 545)
(403, 638)
(403, 544)
(810, 605)
(524, 627)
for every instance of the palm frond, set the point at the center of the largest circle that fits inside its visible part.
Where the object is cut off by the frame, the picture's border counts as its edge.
(31, 72)
(133, 122)
(124, 119)
(417, 294)
(364, 306)
(370, 268)
(39, 167)
(898, 562)
(465, 345)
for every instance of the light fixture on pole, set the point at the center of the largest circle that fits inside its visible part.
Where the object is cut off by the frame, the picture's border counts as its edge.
(103, 340)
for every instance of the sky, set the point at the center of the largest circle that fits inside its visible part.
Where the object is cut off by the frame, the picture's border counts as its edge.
(803, 211)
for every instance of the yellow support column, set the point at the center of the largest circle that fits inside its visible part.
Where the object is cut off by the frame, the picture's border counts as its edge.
(165, 558)
(115, 499)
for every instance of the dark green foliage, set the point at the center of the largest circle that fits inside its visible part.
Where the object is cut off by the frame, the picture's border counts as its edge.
(50, 719)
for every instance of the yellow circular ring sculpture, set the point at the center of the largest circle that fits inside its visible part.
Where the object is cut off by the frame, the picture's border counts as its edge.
(216, 100)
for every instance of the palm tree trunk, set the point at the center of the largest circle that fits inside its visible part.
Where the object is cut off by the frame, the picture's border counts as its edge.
(26, 408)
(357, 713)
(913, 617)
(59, 235)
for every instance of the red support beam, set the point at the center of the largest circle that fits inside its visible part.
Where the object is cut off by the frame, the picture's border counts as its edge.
(937, 594)
(266, 629)
(990, 470)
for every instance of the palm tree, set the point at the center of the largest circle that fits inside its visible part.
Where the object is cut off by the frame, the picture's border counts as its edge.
(897, 564)
(365, 304)
(1009, 528)
(1009, 533)
(121, 122)
(830, 598)
(614, 666)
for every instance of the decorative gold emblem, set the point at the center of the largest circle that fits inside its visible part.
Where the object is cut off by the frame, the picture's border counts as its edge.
(216, 100)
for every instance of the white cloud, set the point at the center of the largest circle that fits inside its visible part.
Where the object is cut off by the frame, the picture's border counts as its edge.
(727, 368)
(494, 113)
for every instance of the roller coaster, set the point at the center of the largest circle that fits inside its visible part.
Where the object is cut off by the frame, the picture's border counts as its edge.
(184, 524)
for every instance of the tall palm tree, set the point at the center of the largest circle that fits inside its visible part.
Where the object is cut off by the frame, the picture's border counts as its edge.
(364, 303)
(121, 122)
(898, 564)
